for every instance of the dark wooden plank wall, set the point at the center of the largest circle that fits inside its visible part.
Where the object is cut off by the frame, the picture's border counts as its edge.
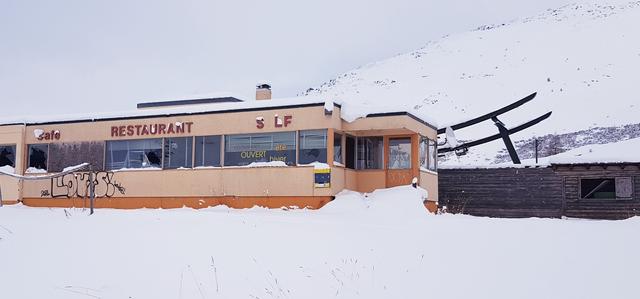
(534, 192)
(503, 192)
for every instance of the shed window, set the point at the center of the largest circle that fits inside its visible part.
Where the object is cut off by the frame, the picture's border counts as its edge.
(313, 146)
(244, 149)
(178, 152)
(208, 151)
(8, 155)
(606, 188)
(38, 154)
(369, 153)
(143, 153)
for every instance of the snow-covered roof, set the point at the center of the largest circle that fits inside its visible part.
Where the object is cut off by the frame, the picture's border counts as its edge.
(348, 112)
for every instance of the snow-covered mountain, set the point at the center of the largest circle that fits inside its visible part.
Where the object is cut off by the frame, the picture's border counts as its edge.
(582, 59)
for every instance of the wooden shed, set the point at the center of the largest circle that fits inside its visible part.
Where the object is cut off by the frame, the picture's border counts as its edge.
(584, 190)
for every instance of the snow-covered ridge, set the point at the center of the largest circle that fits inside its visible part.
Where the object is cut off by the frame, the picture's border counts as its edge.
(582, 59)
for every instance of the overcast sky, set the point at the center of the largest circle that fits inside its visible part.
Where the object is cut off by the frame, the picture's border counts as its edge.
(75, 56)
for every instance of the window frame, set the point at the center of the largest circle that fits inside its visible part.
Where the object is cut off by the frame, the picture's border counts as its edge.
(614, 178)
(108, 160)
(13, 148)
(220, 149)
(302, 142)
(29, 156)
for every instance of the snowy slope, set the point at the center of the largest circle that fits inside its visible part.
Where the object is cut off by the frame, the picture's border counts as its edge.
(582, 59)
(382, 246)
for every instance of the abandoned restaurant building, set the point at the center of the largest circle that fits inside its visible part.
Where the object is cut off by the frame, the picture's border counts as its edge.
(217, 150)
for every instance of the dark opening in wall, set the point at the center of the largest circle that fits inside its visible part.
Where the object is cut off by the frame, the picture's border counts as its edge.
(38, 154)
(8, 155)
(601, 188)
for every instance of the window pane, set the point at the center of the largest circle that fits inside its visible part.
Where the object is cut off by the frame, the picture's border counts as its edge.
(244, 149)
(350, 149)
(433, 155)
(38, 154)
(399, 153)
(145, 153)
(313, 146)
(337, 148)
(8, 155)
(423, 149)
(369, 155)
(63, 155)
(177, 152)
(208, 151)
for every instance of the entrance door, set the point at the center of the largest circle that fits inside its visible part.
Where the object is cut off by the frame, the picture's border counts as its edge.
(398, 166)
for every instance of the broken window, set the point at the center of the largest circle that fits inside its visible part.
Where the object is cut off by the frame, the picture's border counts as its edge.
(8, 155)
(63, 155)
(144, 153)
(38, 154)
(606, 188)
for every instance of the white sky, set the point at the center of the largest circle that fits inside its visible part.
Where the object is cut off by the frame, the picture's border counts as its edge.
(73, 56)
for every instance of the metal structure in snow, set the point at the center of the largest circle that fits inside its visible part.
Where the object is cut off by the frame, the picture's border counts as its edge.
(452, 145)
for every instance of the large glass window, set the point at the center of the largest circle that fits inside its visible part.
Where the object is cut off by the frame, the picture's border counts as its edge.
(313, 146)
(399, 153)
(369, 153)
(207, 151)
(350, 152)
(244, 149)
(38, 154)
(8, 155)
(337, 148)
(144, 153)
(63, 155)
(178, 152)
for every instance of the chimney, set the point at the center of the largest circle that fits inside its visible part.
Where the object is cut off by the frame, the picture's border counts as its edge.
(263, 92)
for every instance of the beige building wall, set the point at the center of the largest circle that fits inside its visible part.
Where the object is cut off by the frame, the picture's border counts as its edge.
(429, 182)
(12, 135)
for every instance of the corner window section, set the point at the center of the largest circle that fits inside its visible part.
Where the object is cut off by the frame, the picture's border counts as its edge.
(8, 155)
(207, 151)
(178, 152)
(144, 153)
(369, 153)
(313, 146)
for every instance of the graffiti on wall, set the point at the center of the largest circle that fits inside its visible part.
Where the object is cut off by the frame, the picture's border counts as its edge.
(77, 185)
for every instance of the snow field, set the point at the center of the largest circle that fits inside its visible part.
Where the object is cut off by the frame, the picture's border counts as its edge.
(384, 245)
